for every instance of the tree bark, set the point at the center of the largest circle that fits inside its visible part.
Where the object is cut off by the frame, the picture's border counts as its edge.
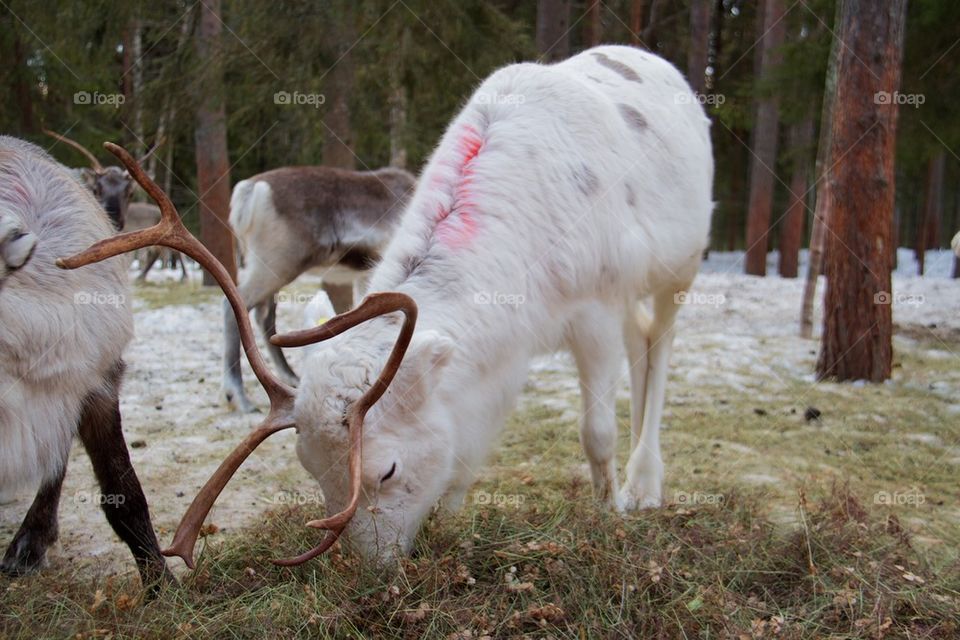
(592, 25)
(21, 84)
(338, 146)
(765, 132)
(928, 230)
(553, 29)
(791, 229)
(699, 43)
(636, 22)
(822, 171)
(858, 322)
(210, 136)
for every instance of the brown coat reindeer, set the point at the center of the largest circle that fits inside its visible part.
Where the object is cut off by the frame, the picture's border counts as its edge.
(290, 220)
(111, 186)
(62, 335)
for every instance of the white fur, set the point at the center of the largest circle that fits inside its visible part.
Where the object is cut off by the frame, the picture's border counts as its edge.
(581, 214)
(60, 331)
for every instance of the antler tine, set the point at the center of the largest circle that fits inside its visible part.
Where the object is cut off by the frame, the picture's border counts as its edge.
(374, 305)
(79, 147)
(185, 538)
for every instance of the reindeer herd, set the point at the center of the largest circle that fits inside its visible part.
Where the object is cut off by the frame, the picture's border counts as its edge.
(590, 200)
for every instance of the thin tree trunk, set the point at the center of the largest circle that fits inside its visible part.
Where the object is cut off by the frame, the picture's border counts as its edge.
(858, 322)
(592, 25)
(338, 146)
(697, 53)
(791, 230)
(553, 29)
(931, 215)
(210, 136)
(21, 84)
(636, 22)
(765, 132)
(822, 171)
(398, 106)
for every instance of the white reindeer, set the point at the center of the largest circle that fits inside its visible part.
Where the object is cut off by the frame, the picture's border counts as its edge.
(574, 192)
(62, 335)
(293, 219)
(955, 244)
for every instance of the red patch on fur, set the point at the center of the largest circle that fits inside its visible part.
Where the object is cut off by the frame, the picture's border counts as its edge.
(456, 223)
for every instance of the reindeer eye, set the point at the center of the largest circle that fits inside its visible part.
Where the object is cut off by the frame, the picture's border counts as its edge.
(390, 473)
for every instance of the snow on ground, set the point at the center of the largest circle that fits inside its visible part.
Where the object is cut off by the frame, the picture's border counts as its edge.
(736, 332)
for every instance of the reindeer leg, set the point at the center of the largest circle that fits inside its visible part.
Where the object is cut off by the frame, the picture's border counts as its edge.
(341, 296)
(152, 255)
(122, 497)
(266, 314)
(38, 531)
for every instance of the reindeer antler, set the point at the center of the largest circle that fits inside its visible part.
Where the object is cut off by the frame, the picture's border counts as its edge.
(170, 232)
(79, 147)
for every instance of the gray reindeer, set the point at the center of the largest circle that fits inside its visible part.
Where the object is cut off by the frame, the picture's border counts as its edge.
(293, 219)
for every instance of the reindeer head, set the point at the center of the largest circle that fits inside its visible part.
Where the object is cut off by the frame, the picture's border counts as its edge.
(408, 456)
(111, 186)
(170, 232)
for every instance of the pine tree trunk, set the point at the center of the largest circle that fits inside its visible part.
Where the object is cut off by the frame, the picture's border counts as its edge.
(592, 25)
(699, 41)
(931, 215)
(21, 84)
(858, 323)
(791, 230)
(338, 146)
(763, 162)
(210, 136)
(553, 29)
(822, 171)
(636, 22)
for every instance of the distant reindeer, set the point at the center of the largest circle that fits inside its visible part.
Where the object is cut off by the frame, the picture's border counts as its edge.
(293, 219)
(542, 222)
(141, 215)
(955, 244)
(62, 335)
(111, 186)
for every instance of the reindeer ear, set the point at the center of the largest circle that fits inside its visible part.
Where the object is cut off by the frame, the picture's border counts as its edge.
(88, 177)
(426, 359)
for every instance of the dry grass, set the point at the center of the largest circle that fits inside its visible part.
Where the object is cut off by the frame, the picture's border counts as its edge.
(776, 527)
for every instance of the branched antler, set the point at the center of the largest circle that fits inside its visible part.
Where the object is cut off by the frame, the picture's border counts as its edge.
(170, 232)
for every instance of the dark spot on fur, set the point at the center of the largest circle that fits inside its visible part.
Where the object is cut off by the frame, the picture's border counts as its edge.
(586, 180)
(633, 117)
(595, 79)
(617, 67)
(631, 197)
